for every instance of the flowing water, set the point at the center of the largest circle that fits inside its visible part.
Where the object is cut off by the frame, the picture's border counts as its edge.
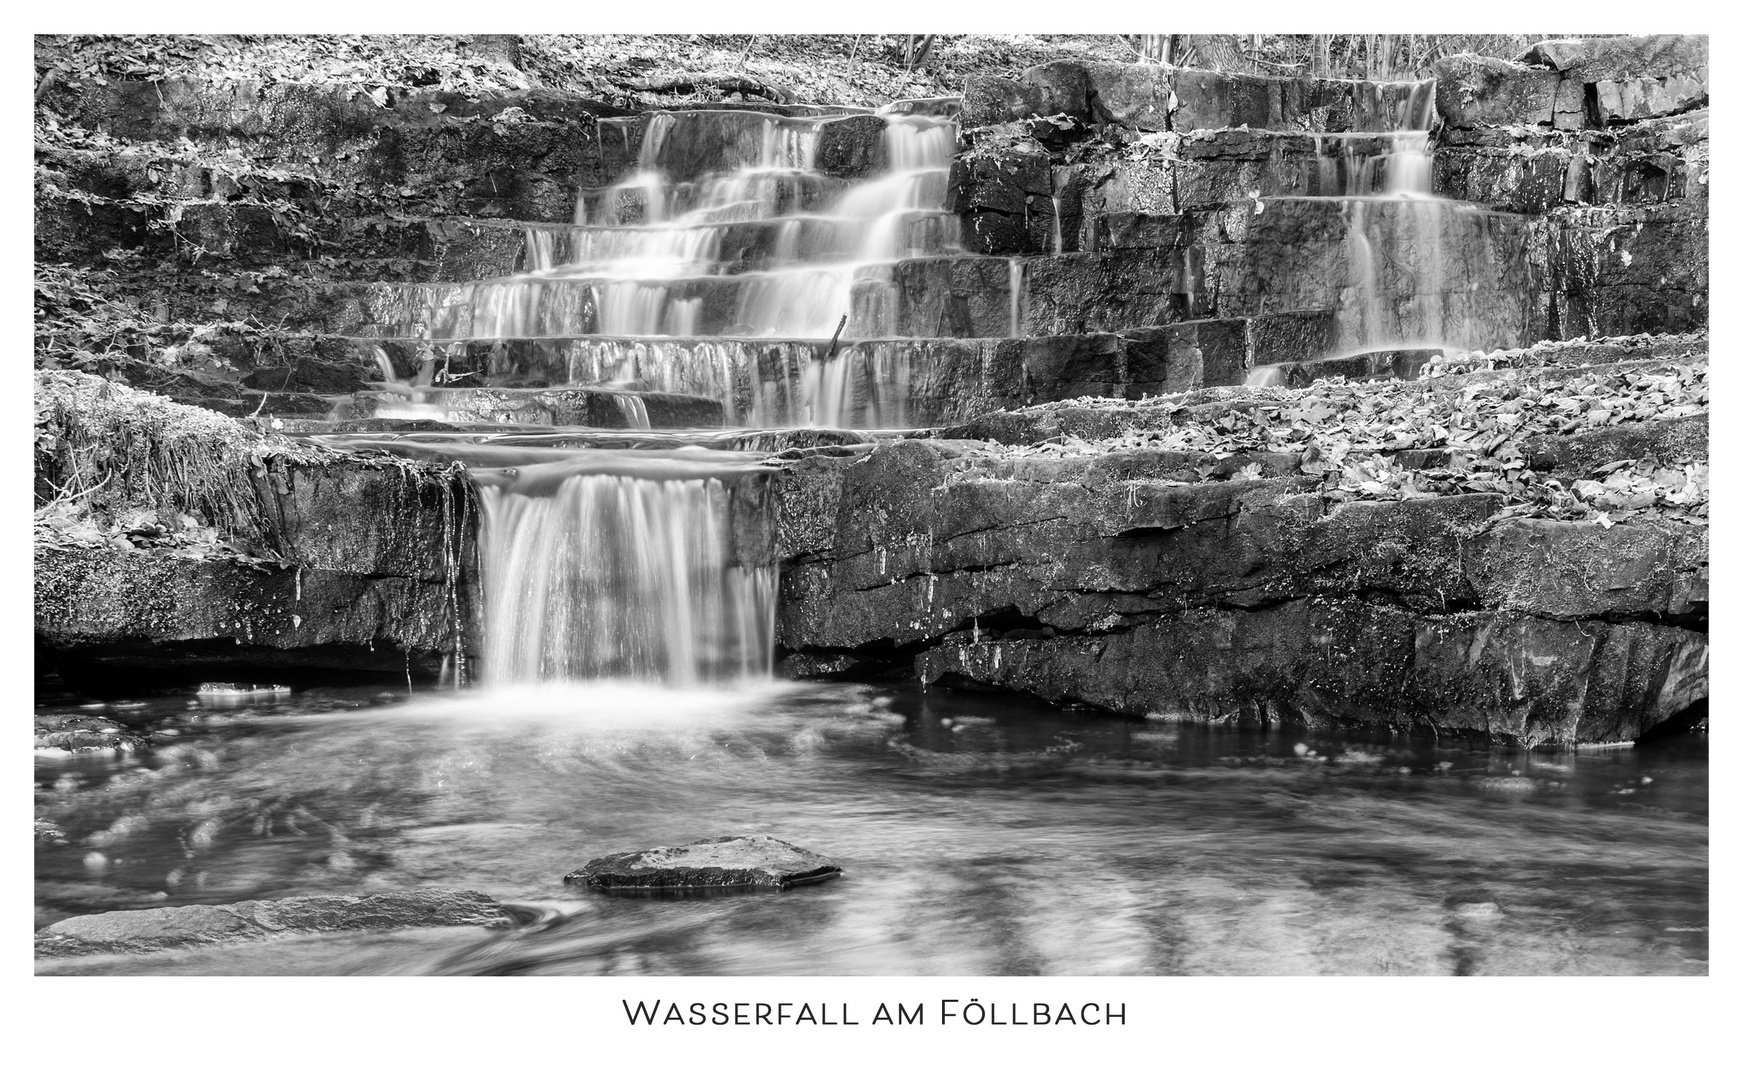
(978, 834)
(1421, 272)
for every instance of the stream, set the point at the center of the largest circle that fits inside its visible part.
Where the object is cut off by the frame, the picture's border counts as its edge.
(979, 834)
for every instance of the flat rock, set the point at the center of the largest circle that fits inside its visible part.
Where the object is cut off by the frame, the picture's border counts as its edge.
(196, 925)
(736, 863)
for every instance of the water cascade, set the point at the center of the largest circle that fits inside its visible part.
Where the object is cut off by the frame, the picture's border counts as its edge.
(728, 231)
(611, 576)
(652, 565)
(1422, 273)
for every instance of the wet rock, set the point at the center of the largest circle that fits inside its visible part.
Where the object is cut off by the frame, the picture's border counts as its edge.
(1186, 356)
(82, 733)
(1477, 91)
(570, 406)
(1005, 199)
(199, 925)
(851, 147)
(1579, 681)
(728, 863)
(1090, 292)
(1627, 270)
(1579, 569)
(149, 613)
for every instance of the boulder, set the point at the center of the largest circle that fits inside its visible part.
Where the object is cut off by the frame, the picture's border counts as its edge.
(1479, 91)
(199, 925)
(1623, 79)
(720, 863)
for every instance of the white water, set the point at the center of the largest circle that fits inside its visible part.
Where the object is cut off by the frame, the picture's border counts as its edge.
(759, 243)
(1421, 271)
(615, 576)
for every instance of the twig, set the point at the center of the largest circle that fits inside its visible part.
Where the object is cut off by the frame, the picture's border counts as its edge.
(839, 327)
(61, 495)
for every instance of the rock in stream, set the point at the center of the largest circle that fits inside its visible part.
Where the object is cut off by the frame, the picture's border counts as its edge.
(720, 863)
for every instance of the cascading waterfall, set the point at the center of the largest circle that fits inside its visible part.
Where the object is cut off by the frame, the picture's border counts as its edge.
(1424, 272)
(628, 573)
(725, 230)
(1421, 272)
(646, 565)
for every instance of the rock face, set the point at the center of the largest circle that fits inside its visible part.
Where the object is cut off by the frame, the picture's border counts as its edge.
(1236, 587)
(721, 863)
(197, 547)
(198, 925)
(1606, 139)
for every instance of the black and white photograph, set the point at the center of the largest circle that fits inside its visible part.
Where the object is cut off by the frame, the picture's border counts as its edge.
(923, 505)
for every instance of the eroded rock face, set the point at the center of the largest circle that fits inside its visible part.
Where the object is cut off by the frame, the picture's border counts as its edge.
(207, 546)
(1233, 586)
(1327, 662)
(721, 863)
(199, 925)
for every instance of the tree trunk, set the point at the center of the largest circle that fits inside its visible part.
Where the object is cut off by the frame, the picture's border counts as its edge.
(1222, 52)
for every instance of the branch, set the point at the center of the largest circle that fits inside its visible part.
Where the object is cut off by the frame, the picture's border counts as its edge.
(726, 84)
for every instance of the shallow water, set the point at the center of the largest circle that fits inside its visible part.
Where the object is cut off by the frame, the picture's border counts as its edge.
(980, 835)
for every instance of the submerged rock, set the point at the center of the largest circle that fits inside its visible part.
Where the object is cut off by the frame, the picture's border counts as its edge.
(727, 863)
(197, 925)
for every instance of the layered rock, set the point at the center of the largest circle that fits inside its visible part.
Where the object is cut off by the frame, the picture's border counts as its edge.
(174, 544)
(1127, 574)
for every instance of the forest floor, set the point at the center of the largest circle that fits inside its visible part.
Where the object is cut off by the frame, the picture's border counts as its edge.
(628, 70)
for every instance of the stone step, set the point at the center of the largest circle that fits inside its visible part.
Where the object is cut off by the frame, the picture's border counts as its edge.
(1362, 367)
(569, 406)
(874, 383)
(766, 193)
(727, 247)
(1159, 97)
(789, 441)
(1655, 162)
(416, 132)
(690, 144)
(1452, 275)
(871, 383)
(1015, 199)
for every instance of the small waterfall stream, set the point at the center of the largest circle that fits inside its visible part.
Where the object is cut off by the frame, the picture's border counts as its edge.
(644, 565)
(1422, 272)
(619, 577)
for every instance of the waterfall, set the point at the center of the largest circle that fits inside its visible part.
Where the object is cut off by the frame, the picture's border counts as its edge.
(1422, 272)
(731, 206)
(600, 575)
